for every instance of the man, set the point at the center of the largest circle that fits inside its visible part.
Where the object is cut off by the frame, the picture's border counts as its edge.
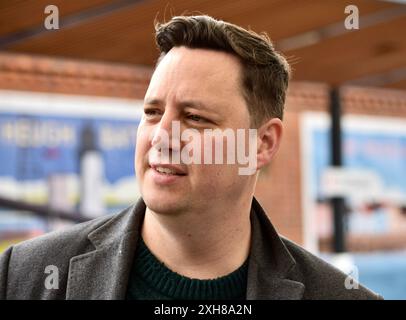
(197, 232)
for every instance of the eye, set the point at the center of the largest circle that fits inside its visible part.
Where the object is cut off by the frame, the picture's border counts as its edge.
(196, 118)
(151, 112)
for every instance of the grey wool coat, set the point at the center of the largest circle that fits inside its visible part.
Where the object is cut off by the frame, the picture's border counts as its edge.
(92, 260)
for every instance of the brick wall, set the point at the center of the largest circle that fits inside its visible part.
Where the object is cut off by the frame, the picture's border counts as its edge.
(279, 187)
(31, 73)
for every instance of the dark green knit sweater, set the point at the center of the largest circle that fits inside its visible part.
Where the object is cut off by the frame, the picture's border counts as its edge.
(151, 279)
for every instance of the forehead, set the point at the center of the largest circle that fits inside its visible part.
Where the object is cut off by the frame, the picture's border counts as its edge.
(186, 71)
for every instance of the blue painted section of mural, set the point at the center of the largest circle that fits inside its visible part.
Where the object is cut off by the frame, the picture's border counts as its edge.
(33, 146)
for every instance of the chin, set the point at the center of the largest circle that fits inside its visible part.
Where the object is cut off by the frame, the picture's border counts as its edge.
(163, 204)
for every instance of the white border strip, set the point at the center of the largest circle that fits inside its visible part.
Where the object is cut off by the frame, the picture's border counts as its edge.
(69, 105)
(387, 125)
(308, 121)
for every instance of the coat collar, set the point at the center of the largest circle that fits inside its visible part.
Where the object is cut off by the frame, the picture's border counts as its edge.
(270, 262)
(104, 272)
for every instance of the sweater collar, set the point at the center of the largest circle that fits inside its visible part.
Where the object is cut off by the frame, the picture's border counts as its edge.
(148, 270)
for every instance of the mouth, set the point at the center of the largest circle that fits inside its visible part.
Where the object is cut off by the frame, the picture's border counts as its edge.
(168, 170)
(166, 175)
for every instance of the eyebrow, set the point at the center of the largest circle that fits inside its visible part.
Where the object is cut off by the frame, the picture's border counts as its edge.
(184, 104)
(154, 102)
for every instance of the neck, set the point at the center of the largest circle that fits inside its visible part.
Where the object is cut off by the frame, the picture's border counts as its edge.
(201, 244)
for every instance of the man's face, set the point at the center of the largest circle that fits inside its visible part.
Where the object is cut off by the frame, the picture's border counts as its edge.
(200, 89)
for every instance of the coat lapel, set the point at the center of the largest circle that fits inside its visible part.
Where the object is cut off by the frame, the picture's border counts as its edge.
(103, 273)
(270, 262)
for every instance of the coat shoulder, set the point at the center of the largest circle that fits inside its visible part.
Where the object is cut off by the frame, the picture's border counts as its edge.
(322, 280)
(71, 239)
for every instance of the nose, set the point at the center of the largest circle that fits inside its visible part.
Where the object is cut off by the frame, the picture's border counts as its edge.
(166, 135)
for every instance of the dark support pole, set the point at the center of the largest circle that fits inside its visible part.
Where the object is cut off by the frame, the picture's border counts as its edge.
(41, 211)
(336, 161)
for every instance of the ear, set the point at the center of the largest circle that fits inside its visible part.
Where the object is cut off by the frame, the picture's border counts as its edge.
(269, 138)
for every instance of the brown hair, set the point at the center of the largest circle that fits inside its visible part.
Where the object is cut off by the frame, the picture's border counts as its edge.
(265, 73)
